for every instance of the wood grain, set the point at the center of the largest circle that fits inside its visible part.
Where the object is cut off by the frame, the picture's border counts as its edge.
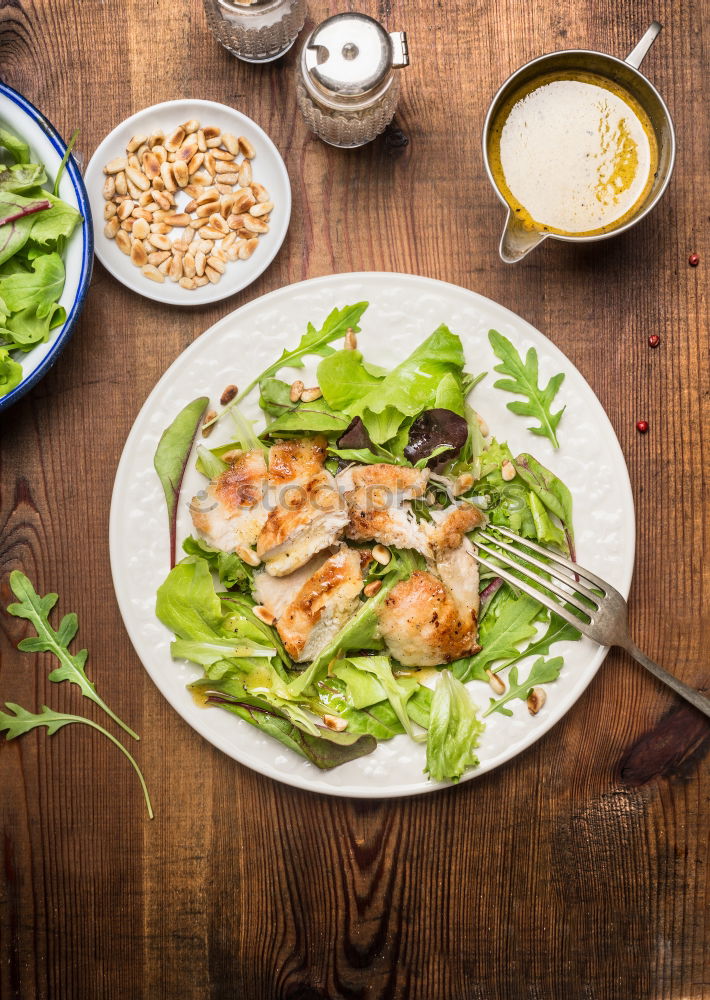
(577, 872)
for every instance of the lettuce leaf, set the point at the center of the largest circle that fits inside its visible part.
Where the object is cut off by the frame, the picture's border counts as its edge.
(187, 603)
(410, 387)
(10, 372)
(454, 730)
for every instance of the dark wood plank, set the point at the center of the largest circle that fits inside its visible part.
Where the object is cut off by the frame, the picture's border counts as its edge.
(580, 869)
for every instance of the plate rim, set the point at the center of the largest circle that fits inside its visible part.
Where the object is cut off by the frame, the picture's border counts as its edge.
(152, 290)
(87, 251)
(267, 769)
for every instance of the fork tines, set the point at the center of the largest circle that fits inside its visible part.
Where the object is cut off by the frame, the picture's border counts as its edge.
(562, 576)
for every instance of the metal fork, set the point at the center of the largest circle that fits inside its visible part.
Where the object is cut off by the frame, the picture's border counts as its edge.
(601, 615)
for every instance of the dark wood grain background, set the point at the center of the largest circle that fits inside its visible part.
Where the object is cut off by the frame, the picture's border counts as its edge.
(578, 871)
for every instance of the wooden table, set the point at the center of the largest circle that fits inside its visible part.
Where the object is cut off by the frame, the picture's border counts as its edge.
(579, 871)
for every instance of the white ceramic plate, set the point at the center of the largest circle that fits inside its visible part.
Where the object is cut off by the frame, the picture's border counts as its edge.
(269, 170)
(404, 309)
(47, 147)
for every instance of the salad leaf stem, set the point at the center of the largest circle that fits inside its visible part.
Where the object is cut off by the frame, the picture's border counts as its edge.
(63, 164)
(19, 721)
(36, 610)
(37, 206)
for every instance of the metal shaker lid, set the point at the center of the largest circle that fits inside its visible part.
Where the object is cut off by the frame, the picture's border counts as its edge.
(350, 56)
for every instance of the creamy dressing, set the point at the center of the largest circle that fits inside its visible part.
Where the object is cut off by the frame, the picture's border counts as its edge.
(573, 153)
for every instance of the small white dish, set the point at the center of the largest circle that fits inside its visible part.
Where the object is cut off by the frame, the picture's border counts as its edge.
(269, 170)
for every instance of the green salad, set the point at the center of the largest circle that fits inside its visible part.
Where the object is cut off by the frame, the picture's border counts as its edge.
(330, 591)
(34, 227)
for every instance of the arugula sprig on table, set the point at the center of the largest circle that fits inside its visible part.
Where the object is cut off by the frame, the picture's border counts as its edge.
(18, 721)
(522, 379)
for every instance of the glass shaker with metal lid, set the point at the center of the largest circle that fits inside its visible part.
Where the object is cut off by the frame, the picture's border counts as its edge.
(346, 86)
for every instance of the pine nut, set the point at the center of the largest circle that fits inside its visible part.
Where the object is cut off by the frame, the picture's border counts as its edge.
(235, 222)
(195, 163)
(230, 143)
(309, 395)
(138, 178)
(116, 165)
(253, 225)
(175, 141)
(112, 227)
(209, 233)
(507, 471)
(160, 228)
(159, 241)
(201, 142)
(200, 281)
(259, 610)
(211, 132)
(259, 191)
(188, 266)
(121, 184)
(483, 426)
(246, 147)
(213, 275)
(206, 208)
(165, 266)
(125, 209)
(141, 229)
(162, 198)
(210, 163)
(160, 153)
(350, 340)
(175, 272)
(218, 223)
(138, 255)
(145, 199)
(135, 143)
(216, 264)
(229, 241)
(191, 126)
(186, 152)
(335, 723)
(157, 138)
(245, 174)
(188, 283)
(381, 554)
(109, 187)
(157, 257)
(228, 395)
(535, 700)
(134, 162)
(151, 165)
(179, 219)
(247, 248)
(142, 213)
(181, 173)
(166, 173)
(261, 208)
(371, 588)
(127, 225)
(495, 682)
(123, 241)
(153, 273)
(109, 210)
(200, 263)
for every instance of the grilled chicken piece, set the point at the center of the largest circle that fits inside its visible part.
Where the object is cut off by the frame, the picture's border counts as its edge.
(315, 607)
(376, 496)
(307, 512)
(458, 571)
(231, 512)
(423, 624)
(449, 526)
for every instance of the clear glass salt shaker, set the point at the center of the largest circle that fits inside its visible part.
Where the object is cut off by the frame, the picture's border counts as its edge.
(256, 30)
(346, 84)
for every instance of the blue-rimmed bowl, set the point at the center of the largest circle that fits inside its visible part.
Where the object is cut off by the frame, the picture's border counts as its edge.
(47, 147)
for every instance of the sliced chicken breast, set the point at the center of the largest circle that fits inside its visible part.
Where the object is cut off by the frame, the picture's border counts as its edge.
(458, 571)
(423, 625)
(307, 512)
(319, 608)
(376, 496)
(448, 528)
(231, 512)
(275, 593)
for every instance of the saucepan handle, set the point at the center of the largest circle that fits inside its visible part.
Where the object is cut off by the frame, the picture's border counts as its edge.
(638, 53)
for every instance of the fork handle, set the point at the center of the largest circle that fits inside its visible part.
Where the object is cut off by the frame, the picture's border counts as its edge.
(700, 701)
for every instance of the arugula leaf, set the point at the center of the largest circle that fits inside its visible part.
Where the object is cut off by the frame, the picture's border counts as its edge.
(36, 610)
(209, 651)
(501, 637)
(542, 672)
(454, 730)
(42, 285)
(16, 147)
(410, 387)
(326, 750)
(19, 721)
(313, 342)
(523, 380)
(558, 630)
(171, 457)
(551, 491)
(10, 372)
